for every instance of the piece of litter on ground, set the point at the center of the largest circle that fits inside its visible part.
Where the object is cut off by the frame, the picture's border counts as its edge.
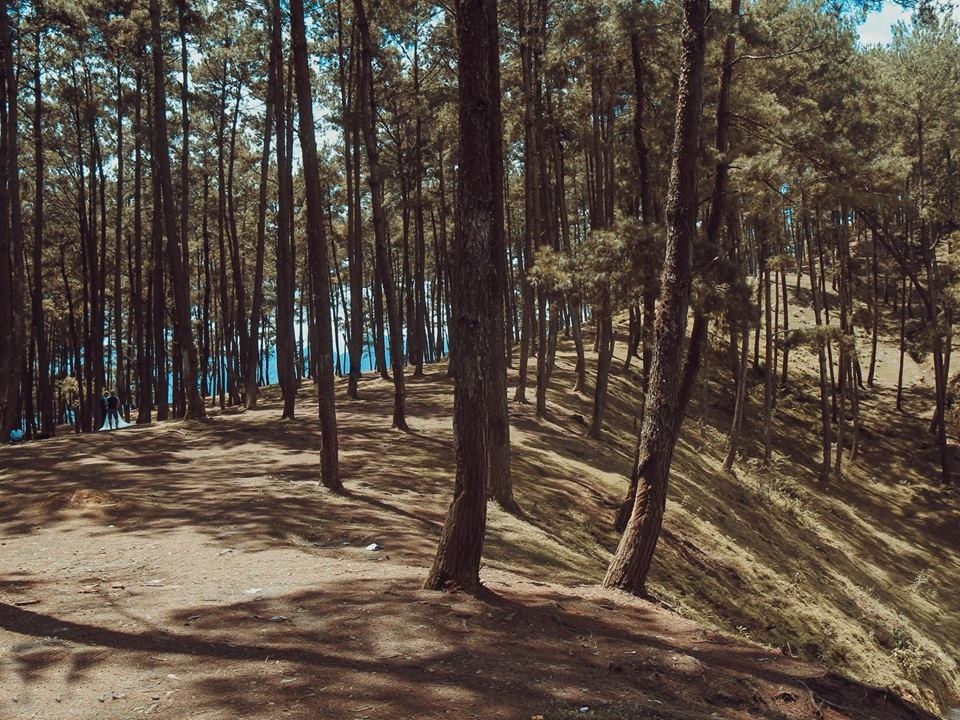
(279, 618)
(584, 708)
(252, 591)
(373, 547)
(171, 676)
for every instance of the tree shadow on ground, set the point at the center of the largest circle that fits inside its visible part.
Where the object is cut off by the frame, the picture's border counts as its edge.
(397, 651)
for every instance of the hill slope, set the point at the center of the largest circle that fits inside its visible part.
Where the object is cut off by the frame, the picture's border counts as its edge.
(200, 571)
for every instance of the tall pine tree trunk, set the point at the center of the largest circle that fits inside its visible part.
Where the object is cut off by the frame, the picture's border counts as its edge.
(189, 360)
(317, 251)
(368, 123)
(354, 245)
(821, 349)
(286, 351)
(256, 308)
(120, 372)
(44, 389)
(478, 270)
(666, 399)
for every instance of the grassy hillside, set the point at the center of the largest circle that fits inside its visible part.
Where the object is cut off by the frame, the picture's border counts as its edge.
(859, 574)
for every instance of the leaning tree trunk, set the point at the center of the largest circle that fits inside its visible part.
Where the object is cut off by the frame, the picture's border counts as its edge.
(666, 399)
(478, 339)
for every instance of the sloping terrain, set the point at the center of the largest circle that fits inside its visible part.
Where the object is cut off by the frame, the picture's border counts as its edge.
(200, 571)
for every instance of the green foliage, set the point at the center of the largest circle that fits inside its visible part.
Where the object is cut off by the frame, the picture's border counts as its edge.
(70, 388)
(617, 262)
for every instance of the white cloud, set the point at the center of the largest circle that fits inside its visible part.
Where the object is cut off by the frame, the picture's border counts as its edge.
(875, 30)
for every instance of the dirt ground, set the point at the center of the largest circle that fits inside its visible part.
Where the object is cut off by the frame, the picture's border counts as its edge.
(200, 571)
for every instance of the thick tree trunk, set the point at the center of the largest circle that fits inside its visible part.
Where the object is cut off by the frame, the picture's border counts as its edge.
(478, 271)
(665, 402)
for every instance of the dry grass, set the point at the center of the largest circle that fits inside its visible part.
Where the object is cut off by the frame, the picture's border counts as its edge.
(856, 574)
(859, 574)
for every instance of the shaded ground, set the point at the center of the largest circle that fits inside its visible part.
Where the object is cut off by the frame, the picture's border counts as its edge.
(200, 571)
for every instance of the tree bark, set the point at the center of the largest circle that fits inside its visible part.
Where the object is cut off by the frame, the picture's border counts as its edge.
(286, 352)
(478, 340)
(666, 400)
(195, 409)
(120, 370)
(354, 245)
(317, 251)
(45, 391)
(274, 90)
(367, 121)
(821, 353)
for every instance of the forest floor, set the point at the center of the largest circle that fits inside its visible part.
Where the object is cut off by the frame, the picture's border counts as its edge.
(186, 570)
